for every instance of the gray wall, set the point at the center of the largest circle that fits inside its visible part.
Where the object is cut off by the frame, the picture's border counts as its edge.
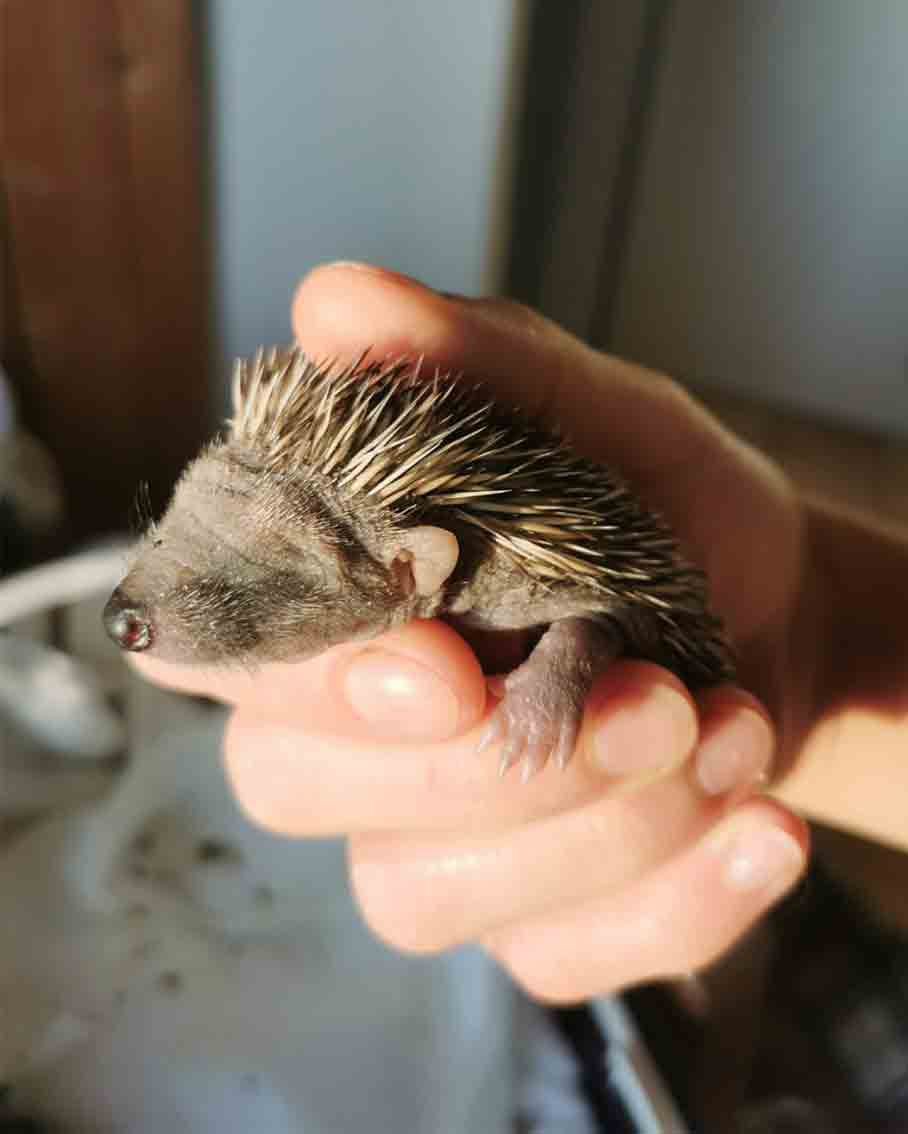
(769, 252)
(355, 129)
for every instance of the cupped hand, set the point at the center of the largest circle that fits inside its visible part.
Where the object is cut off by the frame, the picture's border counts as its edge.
(650, 854)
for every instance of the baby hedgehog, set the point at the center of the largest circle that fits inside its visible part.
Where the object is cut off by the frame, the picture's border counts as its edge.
(343, 502)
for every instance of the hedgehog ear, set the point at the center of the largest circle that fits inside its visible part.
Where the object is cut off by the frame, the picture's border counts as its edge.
(424, 559)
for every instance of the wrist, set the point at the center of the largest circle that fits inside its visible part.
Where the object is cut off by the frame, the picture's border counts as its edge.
(848, 671)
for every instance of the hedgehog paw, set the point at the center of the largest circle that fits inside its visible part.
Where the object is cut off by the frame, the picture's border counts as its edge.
(538, 718)
(530, 735)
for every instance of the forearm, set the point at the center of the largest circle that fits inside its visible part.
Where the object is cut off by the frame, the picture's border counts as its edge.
(850, 765)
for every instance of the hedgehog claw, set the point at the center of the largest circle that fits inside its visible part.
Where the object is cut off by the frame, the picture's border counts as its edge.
(538, 718)
(535, 756)
(504, 764)
(506, 761)
(512, 750)
(529, 734)
(493, 731)
(567, 739)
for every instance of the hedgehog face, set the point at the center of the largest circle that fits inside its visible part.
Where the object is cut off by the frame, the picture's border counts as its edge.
(226, 576)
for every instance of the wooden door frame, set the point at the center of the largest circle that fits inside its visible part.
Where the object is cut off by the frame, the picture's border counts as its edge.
(105, 325)
(588, 89)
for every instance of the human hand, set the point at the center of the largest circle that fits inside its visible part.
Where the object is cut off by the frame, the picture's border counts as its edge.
(648, 856)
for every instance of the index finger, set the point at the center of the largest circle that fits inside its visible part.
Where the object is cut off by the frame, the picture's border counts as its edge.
(649, 425)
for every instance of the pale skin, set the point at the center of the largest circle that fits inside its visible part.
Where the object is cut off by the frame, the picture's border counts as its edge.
(655, 850)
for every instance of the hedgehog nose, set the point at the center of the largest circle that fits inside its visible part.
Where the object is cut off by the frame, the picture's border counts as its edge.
(127, 622)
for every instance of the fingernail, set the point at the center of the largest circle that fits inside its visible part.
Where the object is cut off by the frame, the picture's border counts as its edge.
(399, 697)
(759, 858)
(738, 754)
(656, 731)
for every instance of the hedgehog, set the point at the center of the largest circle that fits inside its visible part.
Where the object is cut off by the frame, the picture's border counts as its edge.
(343, 501)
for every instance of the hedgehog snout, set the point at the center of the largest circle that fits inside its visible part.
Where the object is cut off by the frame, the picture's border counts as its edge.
(128, 622)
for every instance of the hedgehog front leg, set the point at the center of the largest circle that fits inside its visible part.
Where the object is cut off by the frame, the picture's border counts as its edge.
(539, 716)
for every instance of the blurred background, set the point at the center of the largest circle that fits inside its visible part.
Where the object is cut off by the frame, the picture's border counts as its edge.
(715, 188)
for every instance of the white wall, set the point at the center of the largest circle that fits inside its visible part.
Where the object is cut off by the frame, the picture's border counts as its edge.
(357, 129)
(770, 246)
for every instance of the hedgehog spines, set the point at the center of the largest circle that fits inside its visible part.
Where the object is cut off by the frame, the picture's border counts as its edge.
(383, 432)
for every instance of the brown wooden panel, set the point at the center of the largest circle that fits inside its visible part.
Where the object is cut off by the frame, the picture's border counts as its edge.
(13, 344)
(102, 169)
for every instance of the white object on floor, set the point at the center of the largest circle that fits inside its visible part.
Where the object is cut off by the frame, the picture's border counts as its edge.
(56, 701)
(166, 965)
(63, 582)
(169, 966)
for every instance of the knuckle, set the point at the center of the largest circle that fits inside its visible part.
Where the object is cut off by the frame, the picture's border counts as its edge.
(670, 390)
(554, 990)
(255, 805)
(394, 914)
(513, 310)
(690, 954)
(544, 978)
